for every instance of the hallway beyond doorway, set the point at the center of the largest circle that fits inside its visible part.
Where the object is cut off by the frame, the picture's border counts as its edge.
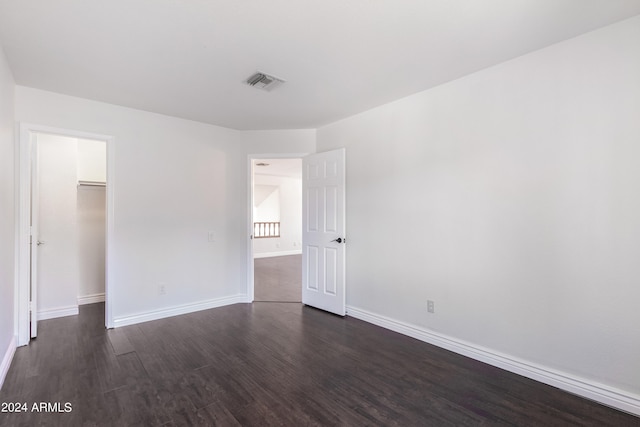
(278, 279)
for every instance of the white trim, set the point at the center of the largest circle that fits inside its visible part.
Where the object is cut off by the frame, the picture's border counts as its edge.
(178, 310)
(604, 394)
(109, 250)
(90, 299)
(16, 241)
(23, 194)
(274, 254)
(23, 274)
(250, 231)
(6, 360)
(54, 313)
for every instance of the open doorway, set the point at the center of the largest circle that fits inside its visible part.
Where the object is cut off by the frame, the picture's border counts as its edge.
(68, 219)
(277, 229)
(64, 225)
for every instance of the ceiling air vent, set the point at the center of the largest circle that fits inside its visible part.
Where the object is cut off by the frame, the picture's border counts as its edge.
(264, 81)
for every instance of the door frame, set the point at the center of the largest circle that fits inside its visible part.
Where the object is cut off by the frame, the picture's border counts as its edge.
(250, 263)
(23, 213)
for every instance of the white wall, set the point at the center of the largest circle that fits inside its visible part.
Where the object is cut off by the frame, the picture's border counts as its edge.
(299, 142)
(289, 200)
(174, 181)
(91, 220)
(58, 257)
(267, 208)
(511, 198)
(92, 160)
(7, 216)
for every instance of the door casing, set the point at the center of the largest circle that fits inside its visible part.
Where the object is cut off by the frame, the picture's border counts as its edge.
(23, 214)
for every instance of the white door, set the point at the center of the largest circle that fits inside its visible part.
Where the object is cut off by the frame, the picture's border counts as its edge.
(323, 231)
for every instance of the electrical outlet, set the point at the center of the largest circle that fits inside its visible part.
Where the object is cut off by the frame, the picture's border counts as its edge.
(212, 236)
(162, 289)
(431, 306)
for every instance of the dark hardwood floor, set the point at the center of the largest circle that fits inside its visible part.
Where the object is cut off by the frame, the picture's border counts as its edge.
(278, 279)
(270, 364)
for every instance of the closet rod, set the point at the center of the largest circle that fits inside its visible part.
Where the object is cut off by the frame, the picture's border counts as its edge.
(92, 183)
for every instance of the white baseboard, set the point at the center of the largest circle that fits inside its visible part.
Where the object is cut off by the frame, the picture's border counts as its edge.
(281, 253)
(604, 394)
(90, 299)
(6, 360)
(178, 310)
(53, 313)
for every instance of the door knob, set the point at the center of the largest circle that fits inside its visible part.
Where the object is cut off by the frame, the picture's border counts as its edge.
(339, 240)
(39, 243)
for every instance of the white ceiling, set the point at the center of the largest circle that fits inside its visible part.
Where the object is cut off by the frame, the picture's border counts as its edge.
(339, 57)
(291, 168)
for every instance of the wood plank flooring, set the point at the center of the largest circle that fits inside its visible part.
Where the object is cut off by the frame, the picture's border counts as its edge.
(278, 279)
(270, 364)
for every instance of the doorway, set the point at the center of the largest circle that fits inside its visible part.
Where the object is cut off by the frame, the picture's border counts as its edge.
(276, 221)
(64, 224)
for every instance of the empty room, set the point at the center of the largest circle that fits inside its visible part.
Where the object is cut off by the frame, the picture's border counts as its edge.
(319, 213)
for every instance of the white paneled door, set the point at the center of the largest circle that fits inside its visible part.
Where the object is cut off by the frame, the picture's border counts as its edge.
(323, 231)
